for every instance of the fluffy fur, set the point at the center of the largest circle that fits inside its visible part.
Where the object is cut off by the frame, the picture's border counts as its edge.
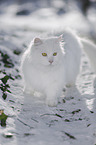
(49, 74)
(90, 49)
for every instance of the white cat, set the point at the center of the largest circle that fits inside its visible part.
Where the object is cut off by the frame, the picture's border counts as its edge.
(50, 64)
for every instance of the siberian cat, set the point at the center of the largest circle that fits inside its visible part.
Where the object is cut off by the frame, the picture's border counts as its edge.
(49, 64)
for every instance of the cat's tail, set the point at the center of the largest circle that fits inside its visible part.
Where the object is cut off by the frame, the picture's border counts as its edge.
(90, 49)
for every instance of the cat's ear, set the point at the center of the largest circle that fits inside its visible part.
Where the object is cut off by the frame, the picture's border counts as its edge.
(60, 37)
(37, 41)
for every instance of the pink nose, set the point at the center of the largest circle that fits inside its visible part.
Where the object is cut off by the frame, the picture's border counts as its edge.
(51, 61)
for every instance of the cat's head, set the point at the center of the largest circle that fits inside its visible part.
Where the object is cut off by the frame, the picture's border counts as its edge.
(47, 52)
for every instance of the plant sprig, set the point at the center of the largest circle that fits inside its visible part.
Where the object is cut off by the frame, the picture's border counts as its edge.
(4, 86)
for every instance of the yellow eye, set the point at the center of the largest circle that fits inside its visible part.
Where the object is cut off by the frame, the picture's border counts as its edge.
(54, 54)
(44, 54)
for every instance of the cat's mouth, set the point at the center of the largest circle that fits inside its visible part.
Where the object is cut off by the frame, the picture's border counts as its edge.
(51, 64)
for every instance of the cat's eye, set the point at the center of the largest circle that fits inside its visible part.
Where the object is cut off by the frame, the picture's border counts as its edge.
(44, 54)
(54, 54)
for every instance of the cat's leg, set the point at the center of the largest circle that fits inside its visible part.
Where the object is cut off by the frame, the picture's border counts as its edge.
(28, 89)
(71, 91)
(53, 97)
(51, 100)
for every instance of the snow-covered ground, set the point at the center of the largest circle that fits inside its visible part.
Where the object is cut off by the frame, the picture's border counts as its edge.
(30, 121)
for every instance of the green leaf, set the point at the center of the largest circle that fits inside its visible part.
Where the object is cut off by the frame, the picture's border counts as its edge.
(70, 136)
(3, 118)
(8, 91)
(6, 60)
(7, 86)
(76, 111)
(67, 120)
(18, 77)
(4, 96)
(17, 52)
(5, 79)
(8, 135)
(58, 115)
(11, 77)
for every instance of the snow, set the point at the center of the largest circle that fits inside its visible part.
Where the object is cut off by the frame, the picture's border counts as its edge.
(30, 121)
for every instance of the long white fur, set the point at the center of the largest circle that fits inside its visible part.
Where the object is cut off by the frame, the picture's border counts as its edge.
(49, 79)
(90, 49)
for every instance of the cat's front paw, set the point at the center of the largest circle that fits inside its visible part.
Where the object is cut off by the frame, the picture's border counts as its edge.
(52, 103)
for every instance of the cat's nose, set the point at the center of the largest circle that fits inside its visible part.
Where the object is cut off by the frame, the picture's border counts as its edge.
(51, 61)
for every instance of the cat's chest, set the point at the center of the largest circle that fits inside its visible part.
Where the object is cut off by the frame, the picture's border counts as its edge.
(47, 75)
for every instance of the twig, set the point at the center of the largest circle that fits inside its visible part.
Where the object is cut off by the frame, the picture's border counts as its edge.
(24, 123)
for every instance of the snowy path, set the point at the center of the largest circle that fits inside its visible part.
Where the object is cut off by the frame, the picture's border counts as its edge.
(31, 122)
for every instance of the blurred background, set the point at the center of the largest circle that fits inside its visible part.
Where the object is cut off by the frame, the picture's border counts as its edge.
(48, 15)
